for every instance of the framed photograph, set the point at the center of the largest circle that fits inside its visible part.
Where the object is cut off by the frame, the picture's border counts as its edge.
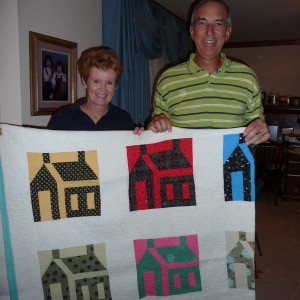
(53, 80)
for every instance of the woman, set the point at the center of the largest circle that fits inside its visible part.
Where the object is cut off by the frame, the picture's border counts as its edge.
(100, 70)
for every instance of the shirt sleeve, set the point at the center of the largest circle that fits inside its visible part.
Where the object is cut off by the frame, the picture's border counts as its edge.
(160, 103)
(255, 107)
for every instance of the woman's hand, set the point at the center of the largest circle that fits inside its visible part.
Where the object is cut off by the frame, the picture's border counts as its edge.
(138, 130)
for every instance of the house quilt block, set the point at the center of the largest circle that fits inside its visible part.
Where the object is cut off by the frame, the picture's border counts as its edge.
(174, 261)
(111, 215)
(64, 185)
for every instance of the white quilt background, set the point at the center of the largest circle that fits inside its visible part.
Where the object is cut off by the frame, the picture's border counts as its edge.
(117, 227)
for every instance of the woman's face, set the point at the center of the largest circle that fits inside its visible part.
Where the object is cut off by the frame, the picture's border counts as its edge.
(100, 86)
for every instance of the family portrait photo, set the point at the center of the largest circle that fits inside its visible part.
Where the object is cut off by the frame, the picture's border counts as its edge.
(53, 73)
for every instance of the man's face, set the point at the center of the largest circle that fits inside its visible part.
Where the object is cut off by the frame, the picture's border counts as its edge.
(210, 30)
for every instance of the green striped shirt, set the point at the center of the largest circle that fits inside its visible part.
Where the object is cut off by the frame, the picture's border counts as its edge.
(191, 98)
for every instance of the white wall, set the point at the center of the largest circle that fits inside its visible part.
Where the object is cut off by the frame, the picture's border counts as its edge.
(10, 86)
(277, 67)
(73, 20)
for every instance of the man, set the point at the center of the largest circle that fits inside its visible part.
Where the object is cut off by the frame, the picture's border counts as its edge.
(209, 90)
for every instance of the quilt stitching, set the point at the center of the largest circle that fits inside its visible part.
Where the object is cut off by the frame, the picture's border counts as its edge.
(160, 175)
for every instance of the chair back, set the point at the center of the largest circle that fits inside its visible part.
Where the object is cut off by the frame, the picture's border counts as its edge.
(269, 156)
(291, 189)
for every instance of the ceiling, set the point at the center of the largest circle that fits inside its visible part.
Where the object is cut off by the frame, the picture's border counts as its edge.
(253, 20)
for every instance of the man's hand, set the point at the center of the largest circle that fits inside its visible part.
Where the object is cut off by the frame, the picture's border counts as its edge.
(160, 123)
(256, 132)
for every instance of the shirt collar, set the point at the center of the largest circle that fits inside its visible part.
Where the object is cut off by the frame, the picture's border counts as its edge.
(194, 68)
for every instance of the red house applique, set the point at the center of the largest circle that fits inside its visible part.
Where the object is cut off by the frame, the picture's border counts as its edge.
(161, 175)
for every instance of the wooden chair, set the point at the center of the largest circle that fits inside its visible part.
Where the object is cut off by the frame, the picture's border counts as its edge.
(291, 189)
(269, 159)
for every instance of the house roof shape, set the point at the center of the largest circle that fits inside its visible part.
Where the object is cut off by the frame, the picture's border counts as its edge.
(75, 170)
(178, 254)
(70, 171)
(87, 263)
(167, 160)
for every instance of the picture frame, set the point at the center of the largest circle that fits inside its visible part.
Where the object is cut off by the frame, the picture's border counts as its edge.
(53, 81)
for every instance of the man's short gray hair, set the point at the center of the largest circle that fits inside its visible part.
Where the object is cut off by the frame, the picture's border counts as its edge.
(197, 4)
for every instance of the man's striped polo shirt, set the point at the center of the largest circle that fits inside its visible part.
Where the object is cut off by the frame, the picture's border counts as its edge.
(191, 98)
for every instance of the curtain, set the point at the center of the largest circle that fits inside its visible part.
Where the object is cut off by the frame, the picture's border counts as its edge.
(156, 67)
(139, 30)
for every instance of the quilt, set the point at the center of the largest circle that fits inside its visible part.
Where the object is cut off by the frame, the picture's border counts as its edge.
(111, 215)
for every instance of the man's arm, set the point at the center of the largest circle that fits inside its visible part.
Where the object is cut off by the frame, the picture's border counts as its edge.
(256, 132)
(160, 121)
